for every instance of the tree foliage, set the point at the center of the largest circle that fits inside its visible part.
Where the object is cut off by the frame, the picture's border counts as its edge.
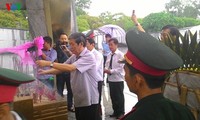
(91, 21)
(82, 23)
(124, 21)
(94, 22)
(106, 17)
(81, 5)
(118, 19)
(155, 21)
(13, 19)
(151, 23)
(183, 8)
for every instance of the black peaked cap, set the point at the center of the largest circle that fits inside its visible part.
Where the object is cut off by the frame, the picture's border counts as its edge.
(151, 51)
(14, 78)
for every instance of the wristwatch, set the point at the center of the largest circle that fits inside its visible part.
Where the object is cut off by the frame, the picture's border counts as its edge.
(51, 65)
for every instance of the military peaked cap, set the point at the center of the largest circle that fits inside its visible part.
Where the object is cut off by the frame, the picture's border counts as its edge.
(148, 55)
(9, 81)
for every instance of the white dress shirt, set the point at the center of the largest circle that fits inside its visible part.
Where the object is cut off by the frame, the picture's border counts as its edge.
(99, 63)
(117, 70)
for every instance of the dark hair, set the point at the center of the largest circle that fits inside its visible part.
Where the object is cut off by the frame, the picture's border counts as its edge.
(48, 39)
(108, 35)
(167, 27)
(152, 81)
(114, 40)
(63, 34)
(173, 30)
(91, 41)
(79, 38)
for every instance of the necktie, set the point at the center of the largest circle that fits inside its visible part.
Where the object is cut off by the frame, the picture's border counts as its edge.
(111, 59)
(77, 57)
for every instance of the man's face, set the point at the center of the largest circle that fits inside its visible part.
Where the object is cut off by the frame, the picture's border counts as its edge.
(46, 45)
(74, 47)
(164, 34)
(112, 46)
(89, 46)
(63, 39)
(4, 111)
(107, 39)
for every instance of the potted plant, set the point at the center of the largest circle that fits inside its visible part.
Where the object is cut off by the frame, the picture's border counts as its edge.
(183, 84)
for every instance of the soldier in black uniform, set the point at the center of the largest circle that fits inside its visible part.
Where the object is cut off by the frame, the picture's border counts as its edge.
(9, 81)
(147, 62)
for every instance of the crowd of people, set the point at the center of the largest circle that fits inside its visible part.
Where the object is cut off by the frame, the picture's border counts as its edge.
(76, 63)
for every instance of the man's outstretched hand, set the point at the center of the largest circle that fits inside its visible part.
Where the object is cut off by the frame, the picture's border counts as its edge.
(43, 63)
(134, 18)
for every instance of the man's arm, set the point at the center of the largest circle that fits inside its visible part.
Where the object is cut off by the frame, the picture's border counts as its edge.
(135, 21)
(64, 67)
(50, 71)
(43, 56)
(52, 57)
(61, 67)
(66, 50)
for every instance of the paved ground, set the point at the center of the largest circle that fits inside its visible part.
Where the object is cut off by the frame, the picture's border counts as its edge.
(130, 100)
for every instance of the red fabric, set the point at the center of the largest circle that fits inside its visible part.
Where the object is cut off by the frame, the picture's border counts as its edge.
(139, 65)
(92, 35)
(133, 110)
(7, 93)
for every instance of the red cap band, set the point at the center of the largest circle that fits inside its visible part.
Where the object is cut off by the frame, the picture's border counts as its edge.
(7, 93)
(139, 65)
(91, 35)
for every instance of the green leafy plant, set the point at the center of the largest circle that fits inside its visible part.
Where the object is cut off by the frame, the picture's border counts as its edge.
(187, 47)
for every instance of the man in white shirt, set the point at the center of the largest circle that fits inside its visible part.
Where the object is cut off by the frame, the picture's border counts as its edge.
(99, 65)
(116, 74)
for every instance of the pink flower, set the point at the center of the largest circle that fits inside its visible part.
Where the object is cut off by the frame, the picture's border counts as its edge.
(38, 41)
(21, 50)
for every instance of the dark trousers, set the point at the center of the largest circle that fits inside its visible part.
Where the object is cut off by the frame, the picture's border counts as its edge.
(100, 84)
(86, 113)
(104, 60)
(99, 113)
(61, 79)
(117, 97)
